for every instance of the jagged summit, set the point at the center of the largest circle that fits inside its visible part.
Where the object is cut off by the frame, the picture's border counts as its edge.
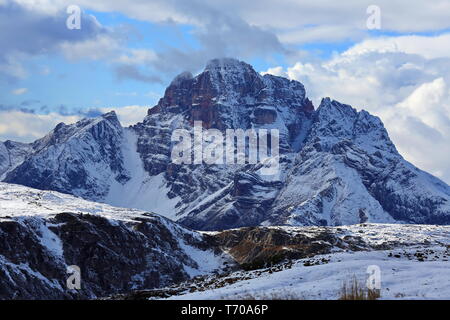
(81, 158)
(186, 75)
(228, 66)
(335, 122)
(225, 63)
(337, 165)
(111, 116)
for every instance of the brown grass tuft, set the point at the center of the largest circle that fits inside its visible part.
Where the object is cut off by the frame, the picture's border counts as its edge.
(354, 290)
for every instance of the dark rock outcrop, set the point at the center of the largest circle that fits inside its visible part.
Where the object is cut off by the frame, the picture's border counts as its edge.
(113, 256)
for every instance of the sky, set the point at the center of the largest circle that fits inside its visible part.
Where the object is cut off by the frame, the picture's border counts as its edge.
(391, 58)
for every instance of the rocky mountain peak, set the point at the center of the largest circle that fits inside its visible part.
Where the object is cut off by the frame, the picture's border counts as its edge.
(335, 122)
(226, 72)
(230, 94)
(111, 116)
(180, 78)
(224, 64)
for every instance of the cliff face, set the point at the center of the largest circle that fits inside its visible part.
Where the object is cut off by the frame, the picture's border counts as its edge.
(11, 155)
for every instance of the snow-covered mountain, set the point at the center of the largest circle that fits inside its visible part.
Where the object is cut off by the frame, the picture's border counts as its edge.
(337, 165)
(82, 159)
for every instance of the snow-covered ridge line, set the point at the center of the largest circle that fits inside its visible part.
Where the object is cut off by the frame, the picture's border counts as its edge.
(20, 201)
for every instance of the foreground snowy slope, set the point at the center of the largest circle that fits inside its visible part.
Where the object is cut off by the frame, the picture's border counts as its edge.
(401, 278)
(413, 261)
(117, 250)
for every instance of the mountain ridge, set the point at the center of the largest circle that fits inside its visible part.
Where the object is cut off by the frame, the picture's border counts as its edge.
(337, 165)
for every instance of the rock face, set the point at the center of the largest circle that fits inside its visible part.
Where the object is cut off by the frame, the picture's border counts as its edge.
(12, 154)
(228, 95)
(337, 165)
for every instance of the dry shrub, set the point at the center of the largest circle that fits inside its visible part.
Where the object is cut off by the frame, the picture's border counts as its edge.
(354, 290)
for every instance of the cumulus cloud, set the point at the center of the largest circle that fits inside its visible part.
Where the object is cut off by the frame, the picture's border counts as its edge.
(129, 115)
(428, 47)
(404, 79)
(19, 91)
(421, 126)
(221, 28)
(27, 127)
(406, 87)
(40, 29)
(137, 57)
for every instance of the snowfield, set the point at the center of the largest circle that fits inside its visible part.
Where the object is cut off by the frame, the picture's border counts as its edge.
(20, 201)
(414, 266)
(401, 278)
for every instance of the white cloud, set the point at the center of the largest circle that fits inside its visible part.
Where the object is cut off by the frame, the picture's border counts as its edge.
(416, 15)
(430, 103)
(99, 48)
(27, 127)
(428, 47)
(129, 115)
(138, 56)
(405, 80)
(420, 124)
(19, 91)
